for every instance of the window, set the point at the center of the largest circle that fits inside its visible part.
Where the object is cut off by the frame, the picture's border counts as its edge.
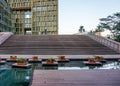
(27, 25)
(27, 14)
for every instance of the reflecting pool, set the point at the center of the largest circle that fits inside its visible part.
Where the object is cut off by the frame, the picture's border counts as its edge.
(22, 77)
(15, 77)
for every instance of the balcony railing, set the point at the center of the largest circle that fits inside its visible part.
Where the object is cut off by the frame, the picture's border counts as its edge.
(107, 42)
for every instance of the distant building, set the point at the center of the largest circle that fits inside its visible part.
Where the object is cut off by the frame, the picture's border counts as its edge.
(35, 16)
(6, 17)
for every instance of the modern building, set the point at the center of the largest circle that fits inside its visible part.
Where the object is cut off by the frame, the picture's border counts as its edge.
(35, 16)
(6, 17)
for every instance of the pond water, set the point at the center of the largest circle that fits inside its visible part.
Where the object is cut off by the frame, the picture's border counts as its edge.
(21, 77)
(15, 77)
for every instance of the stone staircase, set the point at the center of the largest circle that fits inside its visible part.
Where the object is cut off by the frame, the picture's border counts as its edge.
(54, 45)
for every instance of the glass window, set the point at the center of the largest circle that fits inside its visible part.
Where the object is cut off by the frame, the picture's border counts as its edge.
(27, 25)
(27, 14)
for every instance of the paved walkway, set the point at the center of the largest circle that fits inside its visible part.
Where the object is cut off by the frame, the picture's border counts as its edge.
(76, 78)
(56, 56)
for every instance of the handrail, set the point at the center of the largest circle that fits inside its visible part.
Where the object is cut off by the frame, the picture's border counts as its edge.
(107, 42)
(4, 36)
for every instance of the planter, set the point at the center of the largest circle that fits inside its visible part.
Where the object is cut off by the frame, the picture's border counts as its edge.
(92, 63)
(49, 62)
(2, 62)
(35, 58)
(45, 63)
(98, 58)
(21, 63)
(91, 60)
(62, 59)
(13, 58)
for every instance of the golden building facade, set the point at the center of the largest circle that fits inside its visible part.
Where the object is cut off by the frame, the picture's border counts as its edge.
(35, 16)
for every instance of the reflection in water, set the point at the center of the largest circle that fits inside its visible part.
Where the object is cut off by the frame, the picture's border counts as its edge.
(15, 77)
(61, 64)
(111, 65)
(49, 67)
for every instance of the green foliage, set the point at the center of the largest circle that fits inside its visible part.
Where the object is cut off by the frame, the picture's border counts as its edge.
(99, 29)
(112, 23)
(61, 57)
(117, 38)
(81, 29)
(21, 60)
(13, 57)
(50, 59)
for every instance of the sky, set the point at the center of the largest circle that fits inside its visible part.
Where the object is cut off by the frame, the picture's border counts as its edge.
(74, 13)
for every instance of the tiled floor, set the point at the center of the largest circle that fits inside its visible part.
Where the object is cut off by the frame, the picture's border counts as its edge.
(76, 78)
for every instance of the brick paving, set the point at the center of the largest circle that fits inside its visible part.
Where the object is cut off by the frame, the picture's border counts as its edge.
(76, 78)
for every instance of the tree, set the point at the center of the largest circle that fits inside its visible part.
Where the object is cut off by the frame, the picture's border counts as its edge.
(112, 23)
(99, 29)
(81, 29)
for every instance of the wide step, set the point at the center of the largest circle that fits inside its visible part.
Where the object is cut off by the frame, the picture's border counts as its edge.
(54, 45)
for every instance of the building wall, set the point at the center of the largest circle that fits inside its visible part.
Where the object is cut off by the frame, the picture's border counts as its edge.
(35, 16)
(20, 8)
(6, 17)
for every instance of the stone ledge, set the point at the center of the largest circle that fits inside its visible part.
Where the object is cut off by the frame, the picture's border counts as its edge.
(4, 36)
